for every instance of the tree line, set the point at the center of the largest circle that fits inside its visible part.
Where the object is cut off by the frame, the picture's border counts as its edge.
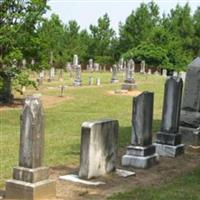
(168, 41)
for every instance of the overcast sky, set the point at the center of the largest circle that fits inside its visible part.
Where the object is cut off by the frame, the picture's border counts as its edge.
(86, 12)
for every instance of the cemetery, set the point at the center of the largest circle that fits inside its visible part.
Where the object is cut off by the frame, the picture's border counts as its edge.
(91, 127)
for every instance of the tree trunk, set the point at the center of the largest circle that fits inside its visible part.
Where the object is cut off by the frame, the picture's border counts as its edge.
(5, 92)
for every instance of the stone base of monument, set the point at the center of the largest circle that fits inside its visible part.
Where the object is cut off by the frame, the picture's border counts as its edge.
(190, 135)
(140, 157)
(129, 86)
(114, 81)
(168, 138)
(30, 184)
(169, 150)
(77, 83)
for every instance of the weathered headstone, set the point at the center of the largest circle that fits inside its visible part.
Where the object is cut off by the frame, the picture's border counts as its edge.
(182, 75)
(24, 63)
(129, 83)
(168, 141)
(91, 80)
(51, 73)
(164, 73)
(99, 141)
(90, 67)
(98, 81)
(96, 66)
(75, 60)
(30, 178)
(149, 72)
(175, 73)
(142, 69)
(190, 112)
(121, 64)
(156, 73)
(40, 78)
(77, 80)
(114, 78)
(141, 152)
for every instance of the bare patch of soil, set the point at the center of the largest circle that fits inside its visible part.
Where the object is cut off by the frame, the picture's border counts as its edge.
(125, 93)
(48, 102)
(165, 171)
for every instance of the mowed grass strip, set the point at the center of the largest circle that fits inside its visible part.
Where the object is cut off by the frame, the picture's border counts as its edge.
(181, 188)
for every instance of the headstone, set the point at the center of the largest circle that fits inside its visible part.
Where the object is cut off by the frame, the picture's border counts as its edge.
(51, 73)
(164, 73)
(96, 66)
(31, 178)
(156, 73)
(190, 112)
(32, 62)
(168, 141)
(24, 63)
(114, 78)
(129, 83)
(40, 78)
(75, 60)
(77, 80)
(90, 65)
(175, 73)
(141, 152)
(142, 69)
(98, 81)
(91, 80)
(149, 72)
(121, 64)
(99, 141)
(182, 75)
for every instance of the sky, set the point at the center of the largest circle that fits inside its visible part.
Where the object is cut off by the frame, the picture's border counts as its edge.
(87, 12)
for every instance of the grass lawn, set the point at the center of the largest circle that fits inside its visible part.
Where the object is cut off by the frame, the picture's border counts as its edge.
(63, 125)
(181, 188)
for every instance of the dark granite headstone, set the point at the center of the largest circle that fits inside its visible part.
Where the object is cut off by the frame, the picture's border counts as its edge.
(168, 141)
(141, 152)
(190, 112)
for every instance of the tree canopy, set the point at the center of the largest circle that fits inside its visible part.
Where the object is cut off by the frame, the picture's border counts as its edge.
(168, 41)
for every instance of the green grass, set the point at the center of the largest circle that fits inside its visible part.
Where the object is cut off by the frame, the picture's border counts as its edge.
(182, 188)
(63, 122)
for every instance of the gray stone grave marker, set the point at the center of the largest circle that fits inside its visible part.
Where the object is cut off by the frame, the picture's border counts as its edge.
(114, 78)
(30, 178)
(99, 141)
(129, 83)
(141, 152)
(142, 69)
(190, 112)
(77, 80)
(168, 141)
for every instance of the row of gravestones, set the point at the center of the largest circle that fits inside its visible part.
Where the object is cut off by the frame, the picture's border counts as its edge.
(99, 139)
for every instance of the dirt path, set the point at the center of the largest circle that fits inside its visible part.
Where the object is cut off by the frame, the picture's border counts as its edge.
(165, 171)
(48, 102)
